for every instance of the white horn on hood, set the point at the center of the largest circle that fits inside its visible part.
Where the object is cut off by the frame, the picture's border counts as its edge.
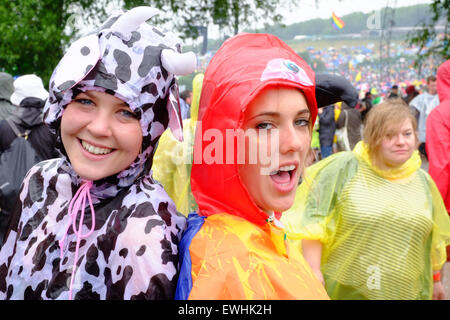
(178, 63)
(132, 19)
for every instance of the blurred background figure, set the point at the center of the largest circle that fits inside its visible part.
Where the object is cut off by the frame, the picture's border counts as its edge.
(411, 93)
(16, 158)
(438, 135)
(352, 117)
(438, 138)
(327, 127)
(6, 90)
(394, 92)
(185, 103)
(29, 96)
(366, 105)
(423, 104)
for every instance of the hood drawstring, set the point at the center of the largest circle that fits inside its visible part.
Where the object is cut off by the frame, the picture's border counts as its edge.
(79, 199)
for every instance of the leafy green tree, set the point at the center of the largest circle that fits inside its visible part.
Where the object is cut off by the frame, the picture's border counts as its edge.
(33, 34)
(430, 36)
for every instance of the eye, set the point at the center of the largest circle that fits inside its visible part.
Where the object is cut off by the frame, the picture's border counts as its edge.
(302, 122)
(264, 126)
(84, 101)
(128, 114)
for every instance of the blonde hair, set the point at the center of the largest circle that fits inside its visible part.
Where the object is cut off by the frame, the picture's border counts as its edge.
(381, 119)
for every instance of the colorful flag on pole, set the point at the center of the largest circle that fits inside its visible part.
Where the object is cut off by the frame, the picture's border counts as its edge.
(338, 23)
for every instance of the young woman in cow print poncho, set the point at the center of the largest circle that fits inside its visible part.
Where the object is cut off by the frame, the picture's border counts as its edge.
(94, 224)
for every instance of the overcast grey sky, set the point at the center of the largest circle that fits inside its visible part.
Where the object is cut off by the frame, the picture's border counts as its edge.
(310, 9)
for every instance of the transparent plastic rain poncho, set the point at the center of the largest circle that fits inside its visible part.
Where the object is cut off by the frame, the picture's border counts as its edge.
(383, 233)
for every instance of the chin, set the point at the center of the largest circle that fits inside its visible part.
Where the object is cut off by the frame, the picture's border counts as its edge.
(89, 175)
(281, 206)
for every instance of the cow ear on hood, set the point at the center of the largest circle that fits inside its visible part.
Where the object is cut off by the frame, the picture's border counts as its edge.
(173, 108)
(331, 88)
(178, 64)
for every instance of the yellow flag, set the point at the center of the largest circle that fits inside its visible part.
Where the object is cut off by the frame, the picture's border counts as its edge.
(358, 77)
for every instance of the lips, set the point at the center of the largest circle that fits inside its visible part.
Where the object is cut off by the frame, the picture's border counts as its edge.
(401, 151)
(283, 175)
(284, 179)
(94, 151)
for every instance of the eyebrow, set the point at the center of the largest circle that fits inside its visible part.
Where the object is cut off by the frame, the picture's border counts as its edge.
(277, 114)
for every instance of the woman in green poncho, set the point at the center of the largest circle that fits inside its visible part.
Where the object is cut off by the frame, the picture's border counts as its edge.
(372, 223)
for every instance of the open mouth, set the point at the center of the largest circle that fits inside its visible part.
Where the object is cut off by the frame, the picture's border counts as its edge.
(283, 176)
(94, 149)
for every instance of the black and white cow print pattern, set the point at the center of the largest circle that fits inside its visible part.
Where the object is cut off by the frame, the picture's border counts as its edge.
(132, 254)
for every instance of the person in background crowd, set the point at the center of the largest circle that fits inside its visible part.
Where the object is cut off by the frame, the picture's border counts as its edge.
(438, 138)
(423, 105)
(394, 93)
(372, 223)
(366, 105)
(29, 95)
(327, 127)
(27, 120)
(93, 224)
(354, 123)
(376, 97)
(411, 93)
(185, 104)
(6, 90)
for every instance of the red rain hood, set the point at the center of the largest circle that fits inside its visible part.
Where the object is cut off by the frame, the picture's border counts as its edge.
(443, 81)
(241, 68)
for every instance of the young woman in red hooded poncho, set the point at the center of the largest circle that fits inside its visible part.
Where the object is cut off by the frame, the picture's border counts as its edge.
(257, 94)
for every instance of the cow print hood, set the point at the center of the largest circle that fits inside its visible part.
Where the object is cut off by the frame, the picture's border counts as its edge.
(126, 62)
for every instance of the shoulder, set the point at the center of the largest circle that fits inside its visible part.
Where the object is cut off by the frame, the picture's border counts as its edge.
(148, 199)
(42, 180)
(336, 161)
(425, 176)
(44, 169)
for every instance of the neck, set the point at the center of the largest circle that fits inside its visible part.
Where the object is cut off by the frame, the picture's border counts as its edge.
(270, 214)
(384, 166)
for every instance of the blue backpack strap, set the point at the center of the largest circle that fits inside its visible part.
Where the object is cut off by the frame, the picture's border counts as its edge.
(184, 285)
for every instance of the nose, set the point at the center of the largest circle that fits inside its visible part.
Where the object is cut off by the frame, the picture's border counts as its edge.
(290, 140)
(400, 139)
(100, 125)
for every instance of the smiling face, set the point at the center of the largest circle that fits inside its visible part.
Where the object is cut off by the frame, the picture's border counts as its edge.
(397, 146)
(283, 113)
(101, 135)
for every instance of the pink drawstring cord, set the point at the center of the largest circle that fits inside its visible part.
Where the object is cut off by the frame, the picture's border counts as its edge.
(79, 199)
